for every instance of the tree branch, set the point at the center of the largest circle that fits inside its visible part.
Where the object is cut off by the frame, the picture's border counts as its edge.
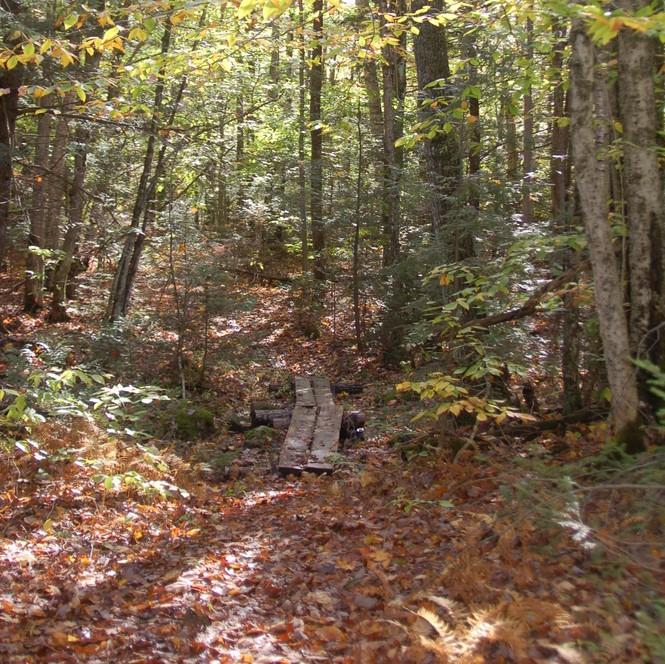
(530, 306)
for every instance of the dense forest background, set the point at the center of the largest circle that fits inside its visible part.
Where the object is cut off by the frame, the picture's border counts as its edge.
(458, 205)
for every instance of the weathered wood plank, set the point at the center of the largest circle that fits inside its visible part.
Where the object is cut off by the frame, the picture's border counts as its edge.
(295, 450)
(322, 392)
(304, 392)
(326, 437)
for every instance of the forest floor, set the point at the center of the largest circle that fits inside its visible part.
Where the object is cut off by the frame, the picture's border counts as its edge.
(386, 560)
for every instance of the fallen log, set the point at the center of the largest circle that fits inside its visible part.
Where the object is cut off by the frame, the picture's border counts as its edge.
(348, 388)
(335, 388)
(529, 430)
(270, 418)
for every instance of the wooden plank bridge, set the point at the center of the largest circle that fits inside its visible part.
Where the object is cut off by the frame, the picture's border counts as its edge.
(314, 431)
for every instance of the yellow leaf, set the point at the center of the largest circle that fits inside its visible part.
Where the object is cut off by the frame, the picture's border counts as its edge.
(445, 279)
(138, 34)
(366, 479)
(347, 565)
(47, 526)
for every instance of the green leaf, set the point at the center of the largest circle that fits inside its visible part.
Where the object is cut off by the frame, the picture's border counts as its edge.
(246, 8)
(70, 21)
(111, 33)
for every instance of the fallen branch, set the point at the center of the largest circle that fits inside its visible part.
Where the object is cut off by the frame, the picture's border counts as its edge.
(530, 430)
(530, 306)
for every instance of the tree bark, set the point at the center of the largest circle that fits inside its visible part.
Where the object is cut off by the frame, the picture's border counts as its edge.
(316, 138)
(394, 91)
(10, 81)
(562, 213)
(34, 287)
(589, 127)
(642, 188)
(58, 311)
(528, 138)
(302, 189)
(122, 283)
(442, 153)
(356, 237)
(371, 84)
(57, 180)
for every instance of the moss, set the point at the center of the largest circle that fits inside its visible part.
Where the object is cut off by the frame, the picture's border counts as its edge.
(631, 438)
(193, 422)
(263, 437)
(219, 463)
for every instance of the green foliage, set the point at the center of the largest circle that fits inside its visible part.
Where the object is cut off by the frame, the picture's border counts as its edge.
(262, 437)
(407, 504)
(192, 421)
(656, 383)
(449, 397)
(127, 408)
(651, 620)
(146, 487)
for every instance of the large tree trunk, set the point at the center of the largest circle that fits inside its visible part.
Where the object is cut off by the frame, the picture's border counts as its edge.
(642, 188)
(590, 118)
(394, 90)
(442, 152)
(316, 137)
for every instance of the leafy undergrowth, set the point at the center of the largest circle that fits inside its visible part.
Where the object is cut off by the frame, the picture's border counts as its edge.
(115, 550)
(382, 562)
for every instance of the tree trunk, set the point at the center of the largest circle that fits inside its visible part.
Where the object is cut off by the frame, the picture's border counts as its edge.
(10, 81)
(302, 189)
(589, 115)
(316, 137)
(57, 181)
(528, 138)
(122, 283)
(34, 286)
(371, 84)
(394, 90)
(58, 312)
(443, 158)
(356, 236)
(642, 188)
(512, 158)
(562, 221)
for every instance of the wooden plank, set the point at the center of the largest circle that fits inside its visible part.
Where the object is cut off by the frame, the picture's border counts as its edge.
(304, 392)
(322, 392)
(295, 450)
(326, 437)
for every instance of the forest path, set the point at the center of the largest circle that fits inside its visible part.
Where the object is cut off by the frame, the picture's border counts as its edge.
(264, 569)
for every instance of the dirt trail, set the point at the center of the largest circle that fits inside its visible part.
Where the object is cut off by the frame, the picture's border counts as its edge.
(372, 564)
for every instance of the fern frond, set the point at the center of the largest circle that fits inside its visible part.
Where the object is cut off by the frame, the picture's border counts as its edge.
(439, 625)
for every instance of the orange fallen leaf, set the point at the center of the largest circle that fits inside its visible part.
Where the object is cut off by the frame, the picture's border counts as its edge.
(63, 639)
(331, 633)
